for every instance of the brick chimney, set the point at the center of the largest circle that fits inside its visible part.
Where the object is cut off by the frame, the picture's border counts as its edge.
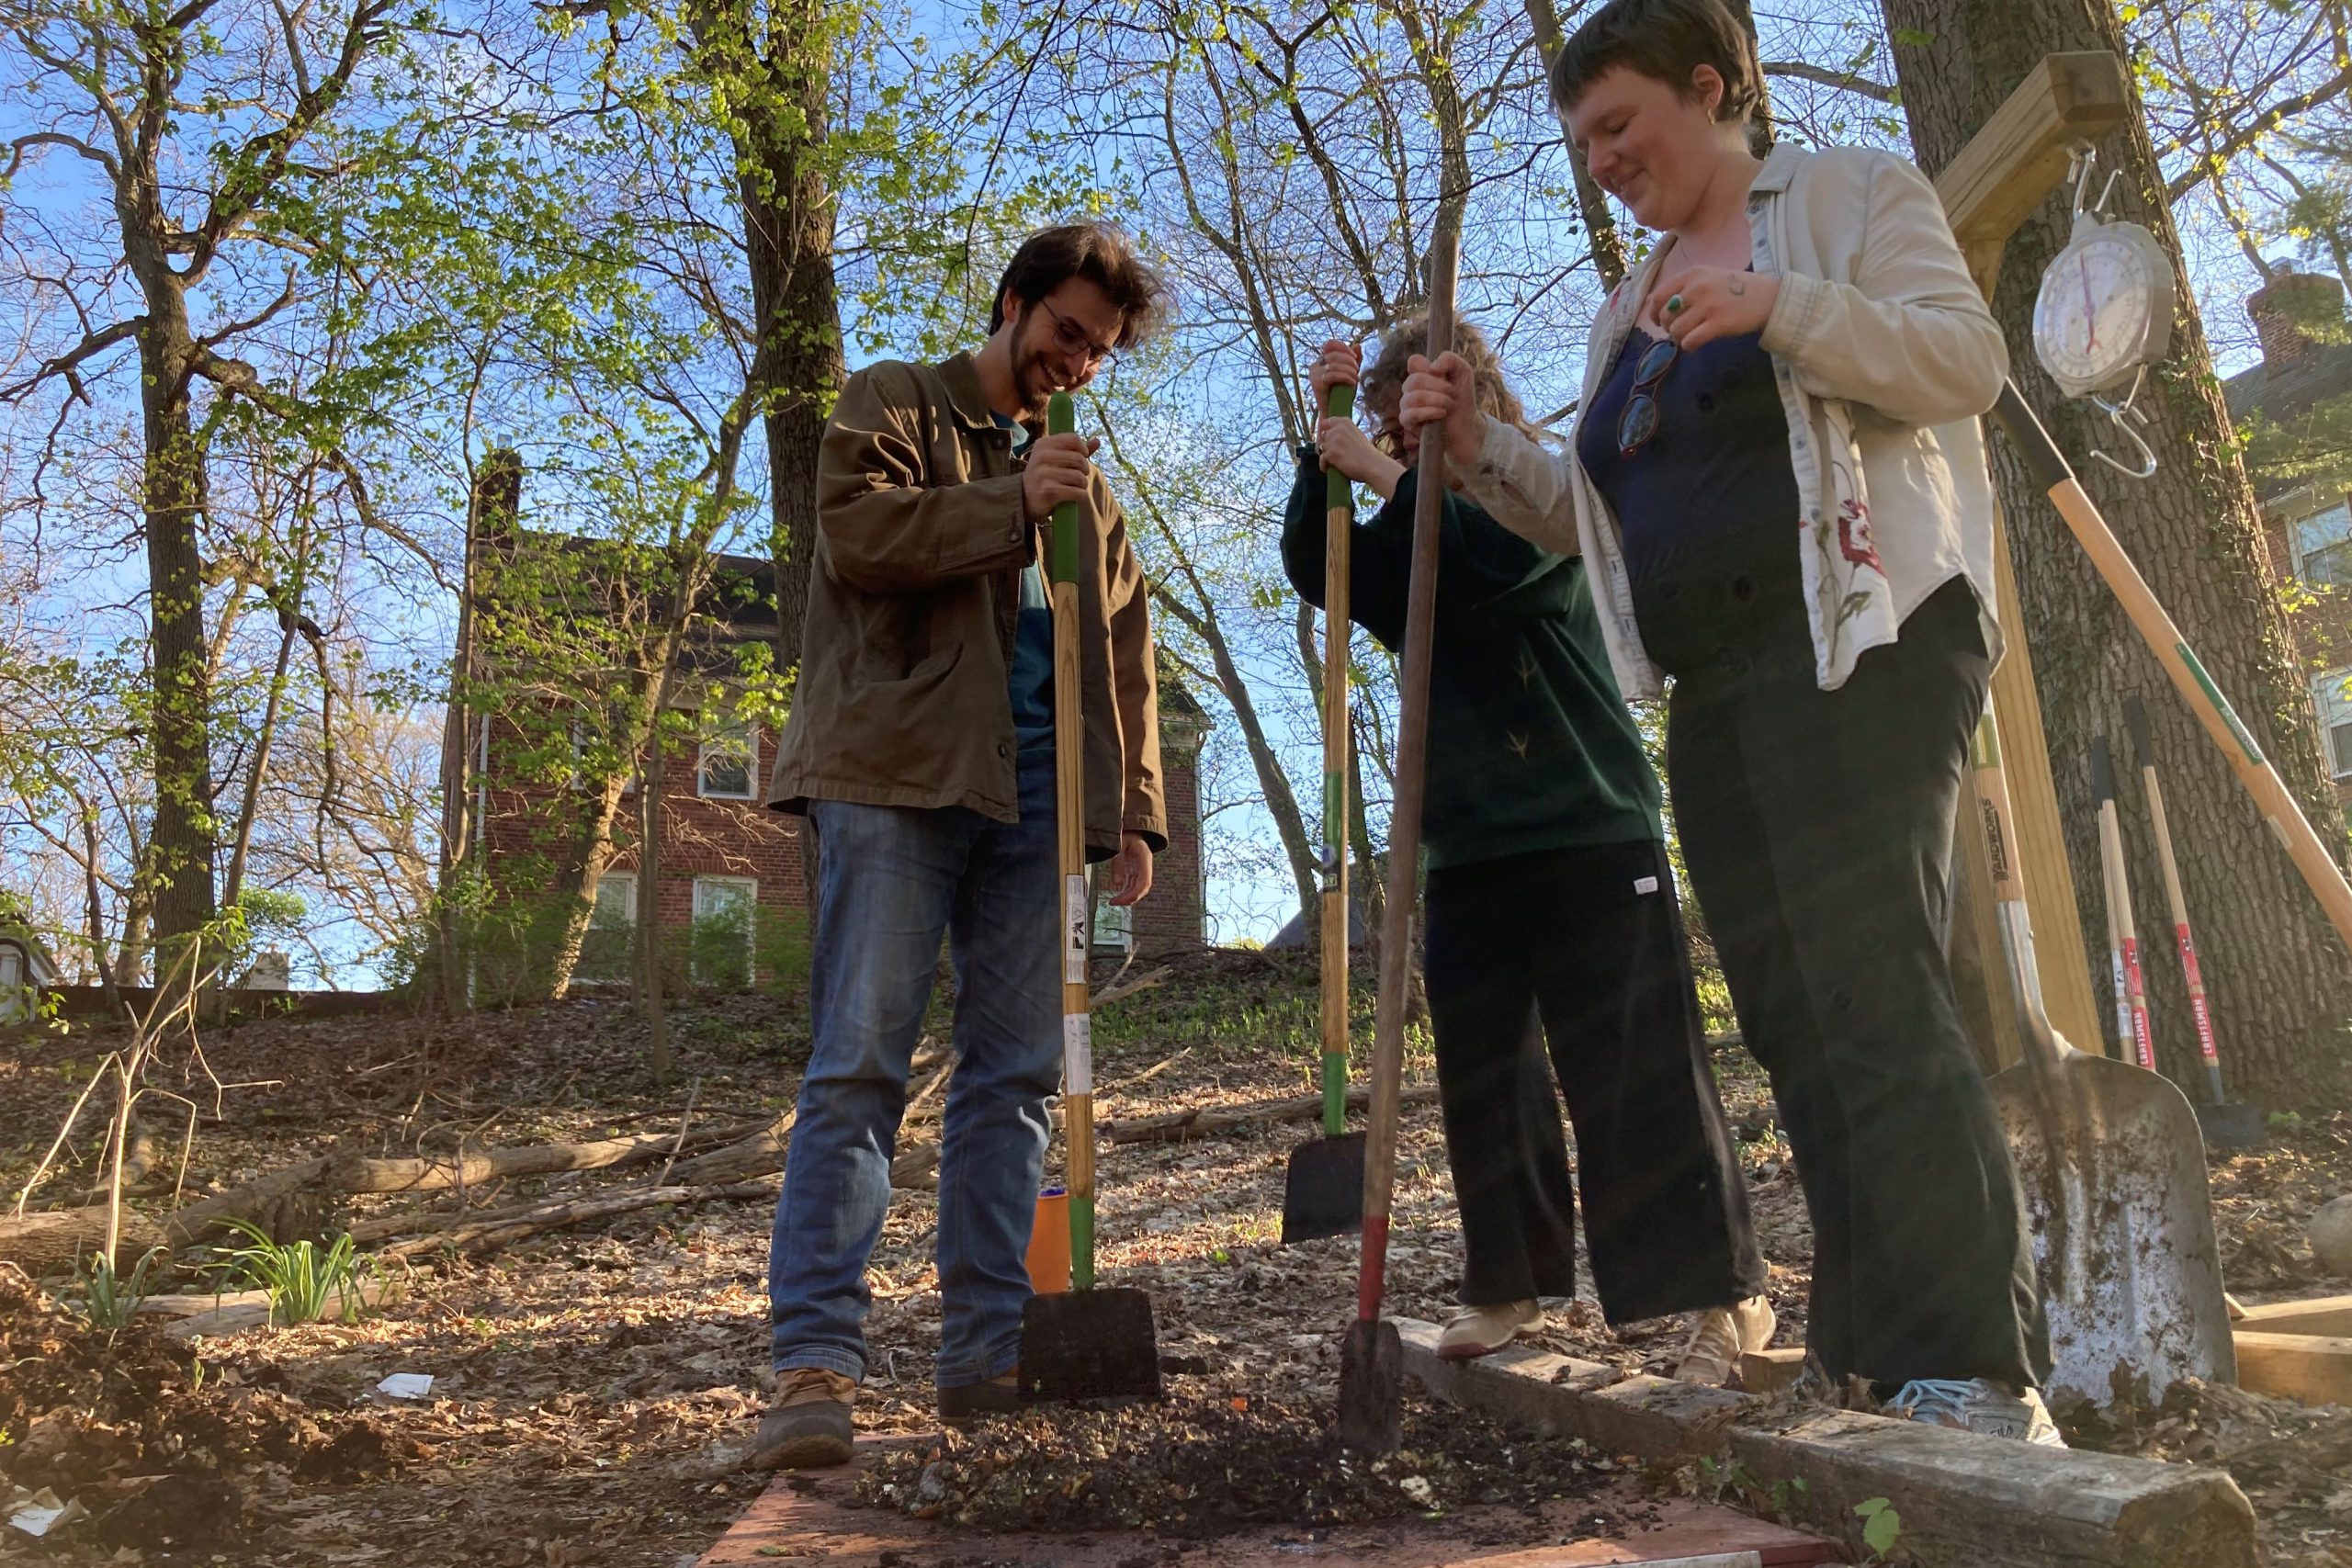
(2285, 309)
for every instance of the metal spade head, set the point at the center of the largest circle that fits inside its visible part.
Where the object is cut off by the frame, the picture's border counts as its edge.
(1372, 1387)
(1324, 1193)
(1097, 1344)
(2113, 1171)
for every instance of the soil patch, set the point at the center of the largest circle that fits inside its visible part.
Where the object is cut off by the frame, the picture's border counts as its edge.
(1195, 1468)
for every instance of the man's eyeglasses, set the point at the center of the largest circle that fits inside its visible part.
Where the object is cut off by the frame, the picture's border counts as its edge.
(1639, 423)
(1070, 338)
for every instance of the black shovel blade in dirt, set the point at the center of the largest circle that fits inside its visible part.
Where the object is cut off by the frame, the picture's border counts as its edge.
(1097, 1344)
(2231, 1125)
(1324, 1194)
(1372, 1387)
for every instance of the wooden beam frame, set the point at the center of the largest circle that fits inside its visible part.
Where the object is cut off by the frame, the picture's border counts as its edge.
(2007, 170)
(1963, 1497)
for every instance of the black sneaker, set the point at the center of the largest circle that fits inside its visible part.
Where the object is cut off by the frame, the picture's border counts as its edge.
(976, 1401)
(808, 1424)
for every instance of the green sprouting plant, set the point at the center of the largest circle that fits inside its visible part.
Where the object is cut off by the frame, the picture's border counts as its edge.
(301, 1276)
(107, 1302)
(1882, 1526)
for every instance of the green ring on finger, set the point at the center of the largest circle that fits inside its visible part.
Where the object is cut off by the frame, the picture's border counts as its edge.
(1674, 304)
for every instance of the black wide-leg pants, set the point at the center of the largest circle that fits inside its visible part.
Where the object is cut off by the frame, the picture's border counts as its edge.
(1583, 948)
(1816, 829)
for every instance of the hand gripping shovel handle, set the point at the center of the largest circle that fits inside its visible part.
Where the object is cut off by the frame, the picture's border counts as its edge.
(1405, 817)
(2050, 471)
(1338, 740)
(1070, 825)
(2135, 718)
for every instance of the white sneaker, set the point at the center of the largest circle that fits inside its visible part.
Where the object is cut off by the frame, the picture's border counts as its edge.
(1977, 1404)
(1483, 1330)
(1719, 1334)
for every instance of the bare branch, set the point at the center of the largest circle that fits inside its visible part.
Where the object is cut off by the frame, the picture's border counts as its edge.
(67, 363)
(57, 139)
(2252, 130)
(1844, 81)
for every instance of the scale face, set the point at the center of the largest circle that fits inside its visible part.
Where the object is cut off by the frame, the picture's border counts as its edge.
(2105, 309)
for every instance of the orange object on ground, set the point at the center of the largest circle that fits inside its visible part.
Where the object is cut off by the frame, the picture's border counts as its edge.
(1049, 1244)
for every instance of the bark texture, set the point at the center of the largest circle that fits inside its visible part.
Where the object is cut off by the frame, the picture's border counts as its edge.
(2279, 981)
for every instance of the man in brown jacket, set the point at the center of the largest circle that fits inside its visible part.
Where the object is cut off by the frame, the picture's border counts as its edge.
(922, 746)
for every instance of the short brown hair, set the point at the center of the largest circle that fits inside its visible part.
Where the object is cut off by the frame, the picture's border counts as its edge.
(1098, 252)
(1383, 381)
(1665, 41)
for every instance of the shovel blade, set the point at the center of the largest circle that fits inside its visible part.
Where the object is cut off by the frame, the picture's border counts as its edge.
(1097, 1344)
(1323, 1195)
(2113, 1171)
(1372, 1388)
(2231, 1125)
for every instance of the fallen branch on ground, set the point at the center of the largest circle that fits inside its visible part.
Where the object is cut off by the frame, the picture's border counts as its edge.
(1121, 992)
(1205, 1121)
(499, 1227)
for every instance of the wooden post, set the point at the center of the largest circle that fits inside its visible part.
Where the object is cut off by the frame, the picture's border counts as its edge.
(2007, 170)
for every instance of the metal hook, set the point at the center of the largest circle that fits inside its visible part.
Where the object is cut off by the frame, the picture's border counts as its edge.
(2082, 159)
(2125, 416)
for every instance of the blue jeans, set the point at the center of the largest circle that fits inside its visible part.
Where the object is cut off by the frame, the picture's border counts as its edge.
(891, 880)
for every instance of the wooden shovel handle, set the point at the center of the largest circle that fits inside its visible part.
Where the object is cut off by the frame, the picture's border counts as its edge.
(1071, 923)
(1338, 743)
(1405, 817)
(2050, 469)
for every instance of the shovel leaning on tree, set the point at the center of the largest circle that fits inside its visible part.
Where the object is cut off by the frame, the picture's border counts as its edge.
(2229, 1124)
(2132, 1032)
(2109, 1156)
(1323, 1194)
(2112, 1172)
(1088, 1343)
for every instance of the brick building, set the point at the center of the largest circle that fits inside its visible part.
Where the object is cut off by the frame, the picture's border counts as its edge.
(729, 863)
(2301, 391)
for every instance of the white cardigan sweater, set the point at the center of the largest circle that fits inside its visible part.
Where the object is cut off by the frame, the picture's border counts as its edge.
(1886, 356)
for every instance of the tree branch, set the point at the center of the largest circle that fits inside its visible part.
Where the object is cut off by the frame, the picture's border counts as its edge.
(1844, 81)
(2252, 130)
(65, 364)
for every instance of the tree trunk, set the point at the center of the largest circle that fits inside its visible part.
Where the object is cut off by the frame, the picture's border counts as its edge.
(572, 892)
(649, 908)
(2280, 986)
(491, 512)
(1282, 805)
(180, 844)
(1592, 202)
(788, 231)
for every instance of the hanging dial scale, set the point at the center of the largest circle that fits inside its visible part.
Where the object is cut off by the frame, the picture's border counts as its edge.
(2104, 313)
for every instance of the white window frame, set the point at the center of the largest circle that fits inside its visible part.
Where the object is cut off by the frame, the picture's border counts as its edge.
(748, 748)
(1114, 925)
(576, 732)
(624, 882)
(750, 886)
(2303, 557)
(2331, 698)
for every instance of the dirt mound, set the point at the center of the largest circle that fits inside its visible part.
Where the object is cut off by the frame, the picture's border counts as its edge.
(1198, 1468)
(157, 1447)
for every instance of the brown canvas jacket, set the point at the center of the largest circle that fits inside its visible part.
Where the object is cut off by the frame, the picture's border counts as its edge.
(903, 697)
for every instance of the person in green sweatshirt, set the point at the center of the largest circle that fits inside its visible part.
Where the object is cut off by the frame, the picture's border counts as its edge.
(1550, 913)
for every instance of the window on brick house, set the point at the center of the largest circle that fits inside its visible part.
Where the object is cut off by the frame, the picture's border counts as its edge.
(724, 768)
(578, 735)
(2332, 696)
(2323, 548)
(605, 949)
(725, 928)
(1115, 928)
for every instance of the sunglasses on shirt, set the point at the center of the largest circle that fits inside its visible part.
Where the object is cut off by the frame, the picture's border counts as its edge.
(1639, 423)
